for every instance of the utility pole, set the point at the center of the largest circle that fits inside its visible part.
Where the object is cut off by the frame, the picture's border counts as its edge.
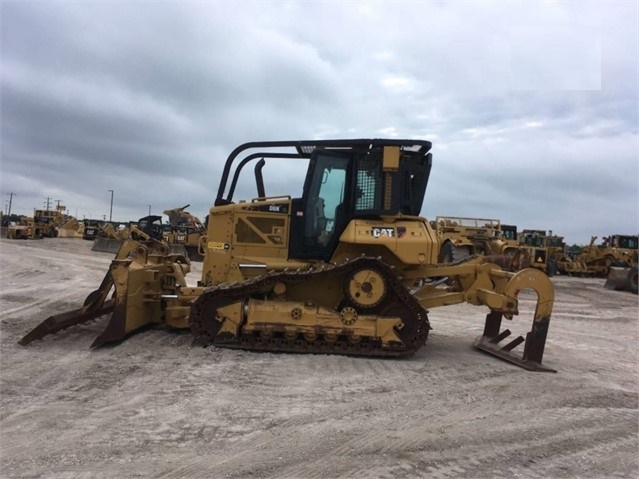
(10, 200)
(149, 209)
(111, 209)
(48, 202)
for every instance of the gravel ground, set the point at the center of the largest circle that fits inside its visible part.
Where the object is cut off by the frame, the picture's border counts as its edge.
(154, 406)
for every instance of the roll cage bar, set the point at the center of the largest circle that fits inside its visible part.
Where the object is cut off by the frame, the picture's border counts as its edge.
(304, 149)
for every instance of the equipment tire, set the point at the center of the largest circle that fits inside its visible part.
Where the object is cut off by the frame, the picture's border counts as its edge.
(446, 253)
(631, 280)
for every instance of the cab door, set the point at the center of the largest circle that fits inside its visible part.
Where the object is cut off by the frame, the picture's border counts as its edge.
(320, 216)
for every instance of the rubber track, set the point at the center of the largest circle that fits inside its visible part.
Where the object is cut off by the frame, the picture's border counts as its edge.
(414, 334)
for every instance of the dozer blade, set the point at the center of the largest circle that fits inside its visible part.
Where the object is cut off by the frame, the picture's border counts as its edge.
(106, 245)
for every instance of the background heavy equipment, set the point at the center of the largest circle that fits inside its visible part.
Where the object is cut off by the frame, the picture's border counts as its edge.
(509, 235)
(623, 279)
(597, 260)
(332, 271)
(186, 230)
(46, 222)
(90, 229)
(148, 227)
(109, 239)
(462, 237)
(183, 234)
(509, 244)
(71, 228)
(544, 251)
(43, 224)
(24, 229)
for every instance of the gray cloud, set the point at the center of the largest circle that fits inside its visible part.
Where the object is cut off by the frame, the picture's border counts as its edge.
(532, 108)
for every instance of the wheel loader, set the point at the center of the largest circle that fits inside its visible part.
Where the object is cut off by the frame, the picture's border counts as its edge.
(349, 267)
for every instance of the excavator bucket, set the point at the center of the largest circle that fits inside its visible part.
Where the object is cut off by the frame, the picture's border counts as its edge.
(141, 274)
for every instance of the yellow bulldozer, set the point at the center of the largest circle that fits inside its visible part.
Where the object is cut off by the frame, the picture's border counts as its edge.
(333, 271)
(461, 237)
(618, 251)
(24, 229)
(186, 230)
(544, 250)
(43, 224)
(47, 221)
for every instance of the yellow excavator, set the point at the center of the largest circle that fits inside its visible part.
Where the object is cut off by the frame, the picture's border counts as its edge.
(350, 267)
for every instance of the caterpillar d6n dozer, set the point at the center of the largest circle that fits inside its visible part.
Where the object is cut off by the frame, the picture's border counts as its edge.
(348, 268)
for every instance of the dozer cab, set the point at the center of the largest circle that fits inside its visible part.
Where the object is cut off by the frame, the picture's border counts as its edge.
(333, 271)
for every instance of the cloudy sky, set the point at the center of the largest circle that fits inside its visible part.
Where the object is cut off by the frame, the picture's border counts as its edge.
(532, 107)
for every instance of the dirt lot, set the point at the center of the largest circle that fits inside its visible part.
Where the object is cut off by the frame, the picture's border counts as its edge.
(154, 406)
